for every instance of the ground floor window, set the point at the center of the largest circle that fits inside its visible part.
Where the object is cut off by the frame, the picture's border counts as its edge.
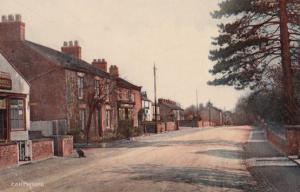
(107, 118)
(17, 117)
(125, 113)
(82, 119)
(121, 113)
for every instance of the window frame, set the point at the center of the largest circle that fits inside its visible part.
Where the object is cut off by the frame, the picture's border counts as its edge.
(97, 87)
(80, 86)
(24, 128)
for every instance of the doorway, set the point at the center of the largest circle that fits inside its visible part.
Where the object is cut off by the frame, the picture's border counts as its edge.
(3, 124)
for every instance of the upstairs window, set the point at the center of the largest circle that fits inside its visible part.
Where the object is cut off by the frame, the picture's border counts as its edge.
(97, 88)
(80, 87)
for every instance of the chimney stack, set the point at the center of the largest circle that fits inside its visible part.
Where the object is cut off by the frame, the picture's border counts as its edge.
(114, 71)
(72, 48)
(12, 28)
(100, 64)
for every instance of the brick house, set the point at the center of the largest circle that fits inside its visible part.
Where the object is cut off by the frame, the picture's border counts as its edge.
(129, 102)
(170, 110)
(61, 83)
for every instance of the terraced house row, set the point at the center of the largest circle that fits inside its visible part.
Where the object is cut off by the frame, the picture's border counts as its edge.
(58, 93)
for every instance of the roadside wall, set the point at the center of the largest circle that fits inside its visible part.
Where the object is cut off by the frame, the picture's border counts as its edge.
(278, 141)
(63, 145)
(42, 149)
(8, 155)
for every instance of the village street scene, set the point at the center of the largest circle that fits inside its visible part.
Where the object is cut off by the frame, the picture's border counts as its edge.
(143, 95)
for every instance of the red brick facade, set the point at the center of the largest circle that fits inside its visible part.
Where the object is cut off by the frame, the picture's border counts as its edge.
(8, 155)
(42, 149)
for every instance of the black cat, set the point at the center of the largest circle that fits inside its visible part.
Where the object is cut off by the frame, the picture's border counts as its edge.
(80, 152)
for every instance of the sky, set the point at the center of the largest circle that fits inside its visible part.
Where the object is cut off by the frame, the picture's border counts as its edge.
(135, 34)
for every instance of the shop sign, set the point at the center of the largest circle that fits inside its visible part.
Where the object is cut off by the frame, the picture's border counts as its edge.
(5, 81)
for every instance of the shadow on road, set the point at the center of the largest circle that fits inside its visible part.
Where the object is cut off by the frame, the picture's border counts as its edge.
(190, 175)
(223, 153)
(136, 144)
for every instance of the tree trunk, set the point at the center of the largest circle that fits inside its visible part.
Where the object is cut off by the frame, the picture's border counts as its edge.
(288, 86)
(89, 121)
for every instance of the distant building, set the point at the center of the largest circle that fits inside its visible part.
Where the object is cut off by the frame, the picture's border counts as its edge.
(170, 110)
(211, 115)
(147, 108)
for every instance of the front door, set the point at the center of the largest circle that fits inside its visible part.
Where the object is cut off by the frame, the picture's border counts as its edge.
(3, 125)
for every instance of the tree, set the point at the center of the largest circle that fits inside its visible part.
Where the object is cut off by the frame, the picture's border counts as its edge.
(96, 99)
(258, 36)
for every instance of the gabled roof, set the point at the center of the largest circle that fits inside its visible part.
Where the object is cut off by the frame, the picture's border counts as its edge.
(123, 83)
(171, 106)
(67, 61)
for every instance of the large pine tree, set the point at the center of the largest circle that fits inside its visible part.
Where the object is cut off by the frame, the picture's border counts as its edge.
(251, 44)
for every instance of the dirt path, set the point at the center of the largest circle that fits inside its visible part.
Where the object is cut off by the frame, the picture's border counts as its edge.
(187, 160)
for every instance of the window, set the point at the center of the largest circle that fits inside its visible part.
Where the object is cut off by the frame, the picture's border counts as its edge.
(80, 87)
(17, 120)
(82, 119)
(121, 114)
(97, 88)
(107, 118)
(132, 97)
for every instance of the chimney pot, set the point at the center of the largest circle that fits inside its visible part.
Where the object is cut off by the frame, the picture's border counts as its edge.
(4, 18)
(114, 71)
(18, 17)
(76, 43)
(11, 18)
(70, 49)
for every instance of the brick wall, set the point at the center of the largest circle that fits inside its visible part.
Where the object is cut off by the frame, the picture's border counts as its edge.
(42, 149)
(171, 126)
(293, 139)
(63, 145)
(8, 155)
(279, 142)
(161, 127)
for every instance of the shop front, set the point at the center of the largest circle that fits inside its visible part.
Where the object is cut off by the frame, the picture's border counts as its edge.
(14, 110)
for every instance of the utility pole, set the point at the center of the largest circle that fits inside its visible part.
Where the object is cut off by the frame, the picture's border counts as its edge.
(155, 99)
(197, 104)
(288, 86)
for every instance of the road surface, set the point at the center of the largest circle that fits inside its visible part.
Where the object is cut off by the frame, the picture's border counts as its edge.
(186, 160)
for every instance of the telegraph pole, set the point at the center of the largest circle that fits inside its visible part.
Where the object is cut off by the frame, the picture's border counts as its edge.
(155, 99)
(197, 104)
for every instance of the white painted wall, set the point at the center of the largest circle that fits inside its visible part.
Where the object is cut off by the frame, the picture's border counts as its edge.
(19, 85)
(147, 106)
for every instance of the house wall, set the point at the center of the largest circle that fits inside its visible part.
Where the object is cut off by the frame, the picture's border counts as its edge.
(46, 80)
(20, 86)
(74, 104)
(137, 106)
(147, 106)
